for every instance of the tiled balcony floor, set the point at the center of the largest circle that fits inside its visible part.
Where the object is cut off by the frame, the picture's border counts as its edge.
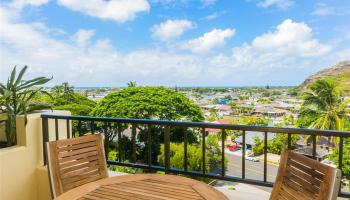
(245, 191)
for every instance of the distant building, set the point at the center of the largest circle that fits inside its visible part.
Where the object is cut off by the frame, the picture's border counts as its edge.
(250, 138)
(219, 121)
(268, 110)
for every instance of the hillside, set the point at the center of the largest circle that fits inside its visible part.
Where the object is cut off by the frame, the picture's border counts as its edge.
(339, 72)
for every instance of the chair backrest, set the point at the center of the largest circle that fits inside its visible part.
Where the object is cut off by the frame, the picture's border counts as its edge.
(74, 162)
(300, 177)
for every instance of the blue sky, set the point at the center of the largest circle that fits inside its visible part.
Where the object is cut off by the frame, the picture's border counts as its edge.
(173, 42)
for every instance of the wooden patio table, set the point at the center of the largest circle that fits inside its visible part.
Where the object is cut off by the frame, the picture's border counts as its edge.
(144, 187)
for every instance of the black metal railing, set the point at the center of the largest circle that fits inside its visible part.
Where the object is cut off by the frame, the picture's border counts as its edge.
(94, 122)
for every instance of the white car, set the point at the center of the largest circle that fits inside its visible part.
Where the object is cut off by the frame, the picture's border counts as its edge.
(252, 158)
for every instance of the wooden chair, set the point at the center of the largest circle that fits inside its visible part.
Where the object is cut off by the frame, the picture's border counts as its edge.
(74, 162)
(301, 178)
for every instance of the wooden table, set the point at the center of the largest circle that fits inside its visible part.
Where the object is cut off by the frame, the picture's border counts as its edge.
(144, 187)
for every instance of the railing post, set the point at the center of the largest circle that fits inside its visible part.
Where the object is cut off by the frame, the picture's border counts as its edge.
(185, 150)
(119, 143)
(289, 141)
(265, 156)
(243, 155)
(314, 147)
(56, 129)
(149, 145)
(45, 132)
(92, 125)
(80, 132)
(166, 149)
(203, 150)
(223, 136)
(68, 129)
(133, 140)
(340, 158)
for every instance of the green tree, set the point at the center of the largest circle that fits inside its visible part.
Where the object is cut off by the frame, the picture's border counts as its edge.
(323, 103)
(132, 84)
(213, 114)
(148, 103)
(157, 103)
(194, 156)
(346, 158)
(63, 97)
(16, 97)
(276, 145)
(254, 121)
(294, 92)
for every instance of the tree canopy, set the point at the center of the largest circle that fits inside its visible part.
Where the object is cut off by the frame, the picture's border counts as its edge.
(63, 97)
(323, 104)
(148, 103)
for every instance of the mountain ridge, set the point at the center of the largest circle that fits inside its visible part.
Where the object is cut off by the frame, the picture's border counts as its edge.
(339, 73)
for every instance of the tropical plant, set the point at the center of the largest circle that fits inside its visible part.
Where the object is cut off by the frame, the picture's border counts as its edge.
(323, 103)
(255, 121)
(64, 90)
(16, 99)
(131, 84)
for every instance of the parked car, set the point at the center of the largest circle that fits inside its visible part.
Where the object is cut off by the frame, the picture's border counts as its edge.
(252, 158)
(234, 147)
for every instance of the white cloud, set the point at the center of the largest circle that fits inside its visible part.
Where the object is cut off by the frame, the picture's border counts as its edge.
(208, 2)
(215, 15)
(83, 59)
(82, 37)
(181, 3)
(170, 29)
(210, 40)
(291, 37)
(22, 3)
(117, 10)
(322, 10)
(280, 4)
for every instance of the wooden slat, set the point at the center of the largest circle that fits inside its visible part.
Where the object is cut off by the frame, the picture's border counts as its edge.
(306, 169)
(76, 146)
(155, 192)
(79, 156)
(76, 152)
(77, 161)
(78, 166)
(126, 195)
(150, 183)
(283, 193)
(302, 182)
(300, 177)
(182, 193)
(312, 180)
(81, 171)
(75, 141)
(80, 177)
(80, 182)
(297, 190)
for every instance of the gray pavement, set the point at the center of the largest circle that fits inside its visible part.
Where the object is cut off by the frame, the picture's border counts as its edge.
(254, 170)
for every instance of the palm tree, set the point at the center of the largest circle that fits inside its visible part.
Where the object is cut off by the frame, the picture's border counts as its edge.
(15, 99)
(68, 91)
(324, 104)
(132, 84)
(324, 101)
(63, 90)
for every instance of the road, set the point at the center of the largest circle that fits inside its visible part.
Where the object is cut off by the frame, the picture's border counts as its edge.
(253, 170)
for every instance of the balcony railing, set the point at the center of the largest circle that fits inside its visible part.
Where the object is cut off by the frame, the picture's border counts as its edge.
(100, 125)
